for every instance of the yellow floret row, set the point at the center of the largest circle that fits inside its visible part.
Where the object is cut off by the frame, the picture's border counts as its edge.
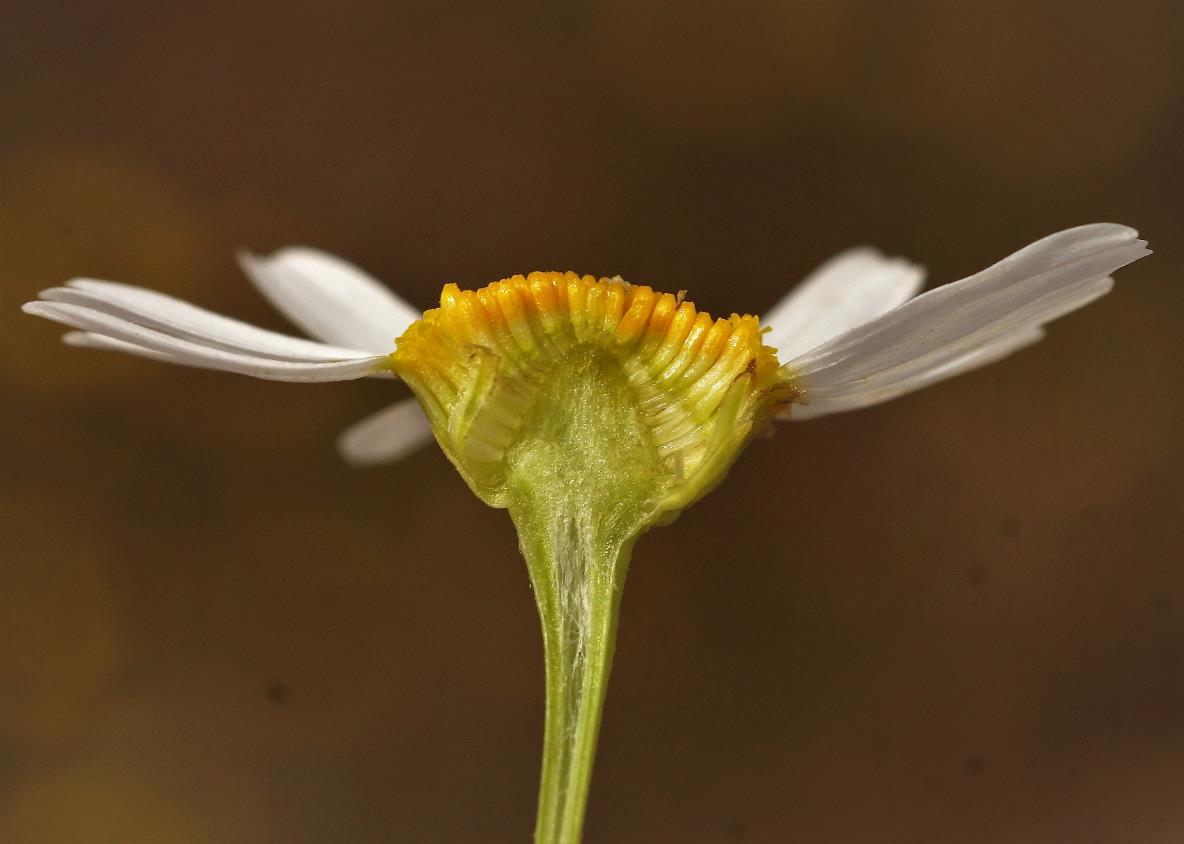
(524, 316)
(505, 337)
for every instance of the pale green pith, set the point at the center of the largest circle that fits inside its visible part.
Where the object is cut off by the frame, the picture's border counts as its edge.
(580, 484)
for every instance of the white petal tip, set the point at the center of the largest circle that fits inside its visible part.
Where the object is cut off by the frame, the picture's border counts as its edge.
(247, 257)
(82, 282)
(251, 263)
(386, 436)
(361, 458)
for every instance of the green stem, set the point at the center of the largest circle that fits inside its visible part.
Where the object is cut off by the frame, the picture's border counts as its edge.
(578, 575)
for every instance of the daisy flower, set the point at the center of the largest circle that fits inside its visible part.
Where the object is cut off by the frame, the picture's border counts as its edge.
(593, 409)
(904, 341)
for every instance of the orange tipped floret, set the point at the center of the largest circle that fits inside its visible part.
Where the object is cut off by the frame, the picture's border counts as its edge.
(479, 361)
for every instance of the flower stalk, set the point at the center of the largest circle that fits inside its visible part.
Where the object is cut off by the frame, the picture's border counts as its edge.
(579, 501)
(579, 637)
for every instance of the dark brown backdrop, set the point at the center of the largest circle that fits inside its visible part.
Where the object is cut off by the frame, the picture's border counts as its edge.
(956, 618)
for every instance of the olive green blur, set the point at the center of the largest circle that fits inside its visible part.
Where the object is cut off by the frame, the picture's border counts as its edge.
(958, 617)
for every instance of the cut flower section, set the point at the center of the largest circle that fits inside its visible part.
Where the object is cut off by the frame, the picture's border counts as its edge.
(593, 409)
(491, 366)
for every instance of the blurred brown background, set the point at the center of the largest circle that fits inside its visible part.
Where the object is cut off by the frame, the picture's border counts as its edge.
(955, 618)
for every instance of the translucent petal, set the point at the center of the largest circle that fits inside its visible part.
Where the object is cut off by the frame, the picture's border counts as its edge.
(850, 289)
(194, 353)
(386, 436)
(181, 319)
(920, 341)
(329, 298)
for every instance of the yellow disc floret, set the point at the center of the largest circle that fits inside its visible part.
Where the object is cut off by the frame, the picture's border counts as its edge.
(687, 390)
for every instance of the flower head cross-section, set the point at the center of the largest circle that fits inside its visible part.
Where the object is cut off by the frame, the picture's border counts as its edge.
(593, 409)
(638, 372)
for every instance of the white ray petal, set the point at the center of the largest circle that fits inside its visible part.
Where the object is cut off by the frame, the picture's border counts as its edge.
(919, 371)
(194, 354)
(329, 298)
(386, 436)
(181, 319)
(992, 352)
(848, 290)
(90, 340)
(922, 340)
